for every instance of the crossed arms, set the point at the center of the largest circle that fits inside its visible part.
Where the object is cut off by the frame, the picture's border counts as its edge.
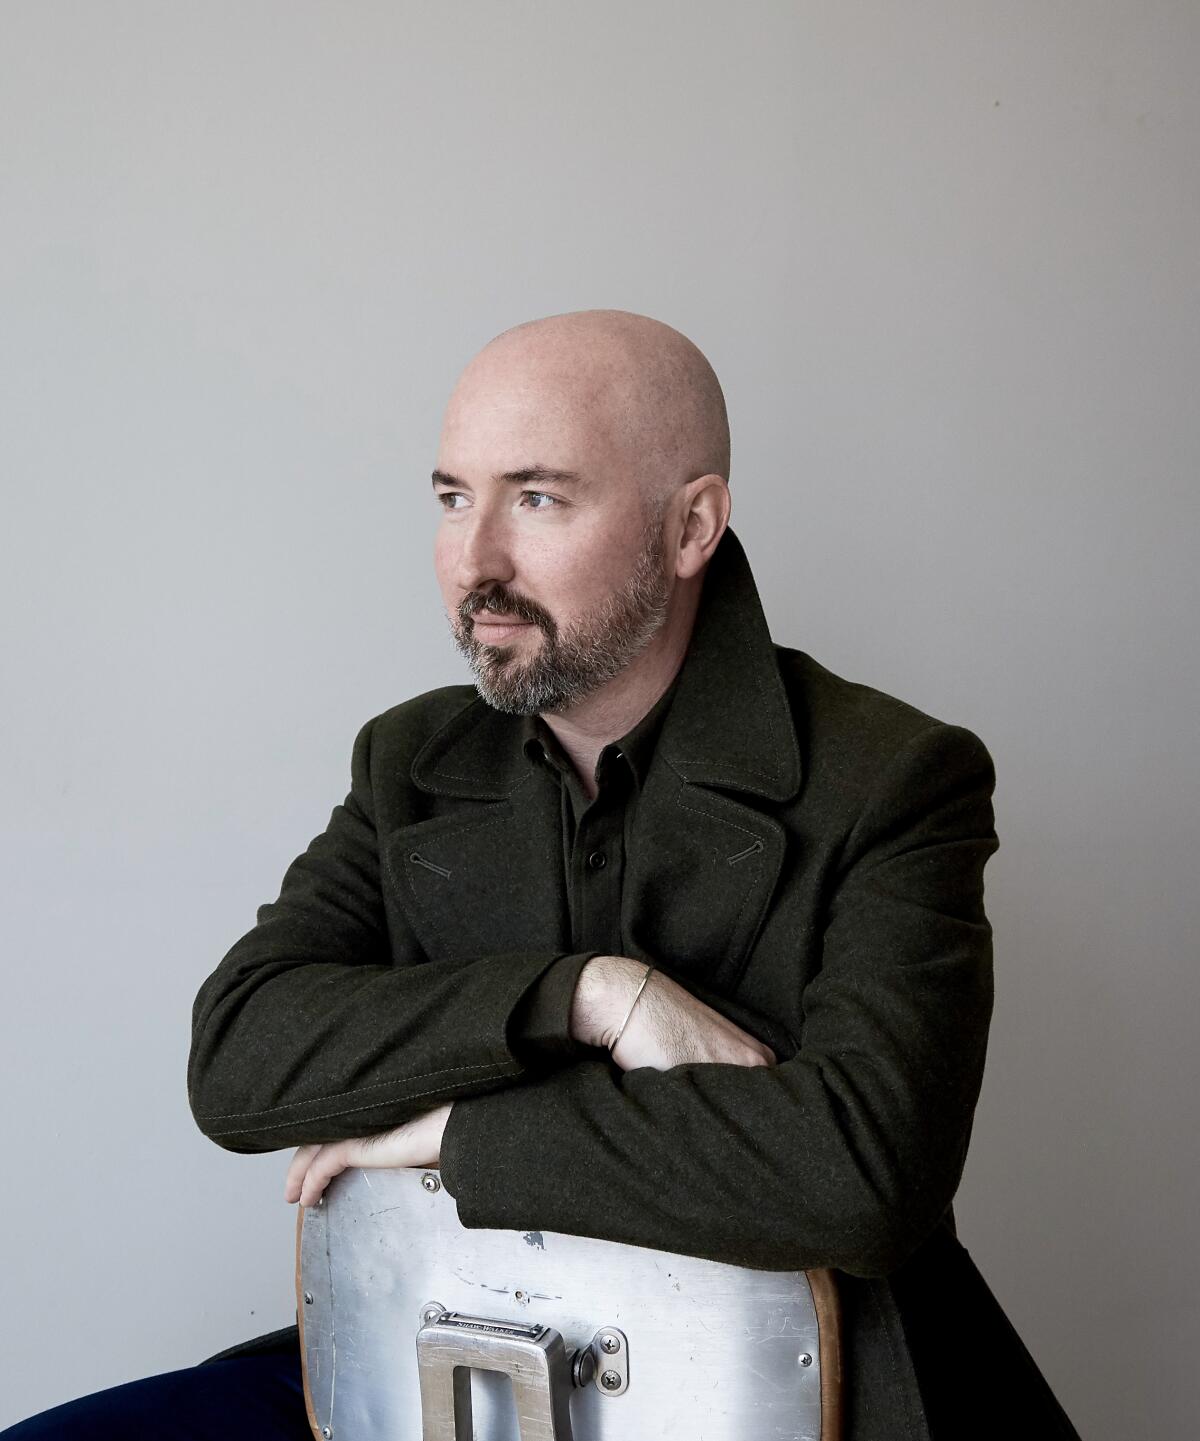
(672, 1028)
(845, 1153)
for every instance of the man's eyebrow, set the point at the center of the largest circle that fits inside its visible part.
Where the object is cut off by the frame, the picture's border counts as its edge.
(531, 475)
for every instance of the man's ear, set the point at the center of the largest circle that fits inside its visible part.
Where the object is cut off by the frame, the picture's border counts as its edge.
(706, 514)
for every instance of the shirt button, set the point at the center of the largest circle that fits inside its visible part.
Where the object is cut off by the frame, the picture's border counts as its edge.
(597, 860)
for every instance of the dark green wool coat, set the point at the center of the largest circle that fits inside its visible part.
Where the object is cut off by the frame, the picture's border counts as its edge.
(807, 856)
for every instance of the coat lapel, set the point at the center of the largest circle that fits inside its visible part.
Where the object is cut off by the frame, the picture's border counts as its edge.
(700, 874)
(705, 856)
(485, 876)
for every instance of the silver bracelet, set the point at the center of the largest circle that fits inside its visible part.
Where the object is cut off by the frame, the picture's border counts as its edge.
(629, 1012)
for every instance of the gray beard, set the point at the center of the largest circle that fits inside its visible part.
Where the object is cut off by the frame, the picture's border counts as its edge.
(571, 663)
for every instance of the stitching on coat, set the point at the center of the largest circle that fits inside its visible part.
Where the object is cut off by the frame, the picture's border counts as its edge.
(766, 894)
(344, 1111)
(428, 745)
(357, 1091)
(474, 780)
(419, 860)
(407, 875)
(721, 780)
(741, 855)
(708, 816)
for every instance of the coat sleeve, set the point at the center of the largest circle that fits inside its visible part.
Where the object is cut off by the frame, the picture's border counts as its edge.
(848, 1152)
(312, 1029)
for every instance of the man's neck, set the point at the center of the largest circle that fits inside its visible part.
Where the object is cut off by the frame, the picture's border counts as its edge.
(604, 716)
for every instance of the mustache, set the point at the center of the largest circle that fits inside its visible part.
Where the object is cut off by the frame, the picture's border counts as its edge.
(503, 602)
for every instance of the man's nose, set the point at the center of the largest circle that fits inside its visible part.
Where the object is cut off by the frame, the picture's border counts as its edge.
(484, 556)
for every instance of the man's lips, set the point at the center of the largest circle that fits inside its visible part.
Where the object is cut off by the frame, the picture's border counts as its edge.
(493, 628)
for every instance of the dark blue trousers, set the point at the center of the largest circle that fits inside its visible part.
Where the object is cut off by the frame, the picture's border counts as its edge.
(256, 1397)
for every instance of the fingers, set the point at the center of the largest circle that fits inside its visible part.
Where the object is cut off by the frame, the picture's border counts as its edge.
(760, 1054)
(329, 1161)
(295, 1171)
(746, 1050)
(413, 1143)
(314, 1167)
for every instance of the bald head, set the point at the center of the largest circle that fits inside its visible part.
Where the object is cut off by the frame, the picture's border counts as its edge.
(628, 386)
(582, 473)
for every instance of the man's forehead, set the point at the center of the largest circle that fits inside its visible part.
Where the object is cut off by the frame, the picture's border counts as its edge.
(515, 417)
(569, 402)
(520, 435)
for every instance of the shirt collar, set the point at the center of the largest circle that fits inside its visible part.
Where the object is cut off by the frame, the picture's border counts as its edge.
(542, 746)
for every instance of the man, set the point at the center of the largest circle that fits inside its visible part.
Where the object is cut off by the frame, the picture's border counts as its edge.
(455, 972)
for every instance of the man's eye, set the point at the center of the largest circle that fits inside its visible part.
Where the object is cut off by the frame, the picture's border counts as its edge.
(541, 495)
(447, 495)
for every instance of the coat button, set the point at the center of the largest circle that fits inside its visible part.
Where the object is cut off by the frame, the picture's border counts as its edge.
(597, 860)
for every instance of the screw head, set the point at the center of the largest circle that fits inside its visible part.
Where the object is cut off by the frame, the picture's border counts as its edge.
(610, 1343)
(308, 1299)
(610, 1380)
(430, 1182)
(327, 1432)
(804, 1358)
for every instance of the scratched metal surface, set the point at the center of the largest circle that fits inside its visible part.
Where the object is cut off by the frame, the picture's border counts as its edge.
(713, 1349)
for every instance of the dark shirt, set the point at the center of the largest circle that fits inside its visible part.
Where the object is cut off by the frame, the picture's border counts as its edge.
(595, 840)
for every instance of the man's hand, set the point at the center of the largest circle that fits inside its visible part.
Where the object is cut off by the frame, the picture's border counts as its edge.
(668, 1027)
(415, 1143)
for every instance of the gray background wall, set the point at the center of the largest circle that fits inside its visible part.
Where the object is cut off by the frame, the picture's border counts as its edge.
(944, 258)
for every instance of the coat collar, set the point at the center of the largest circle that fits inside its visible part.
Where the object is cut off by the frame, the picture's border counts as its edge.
(729, 723)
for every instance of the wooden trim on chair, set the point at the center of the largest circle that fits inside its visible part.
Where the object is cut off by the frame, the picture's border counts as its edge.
(314, 1426)
(823, 1285)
